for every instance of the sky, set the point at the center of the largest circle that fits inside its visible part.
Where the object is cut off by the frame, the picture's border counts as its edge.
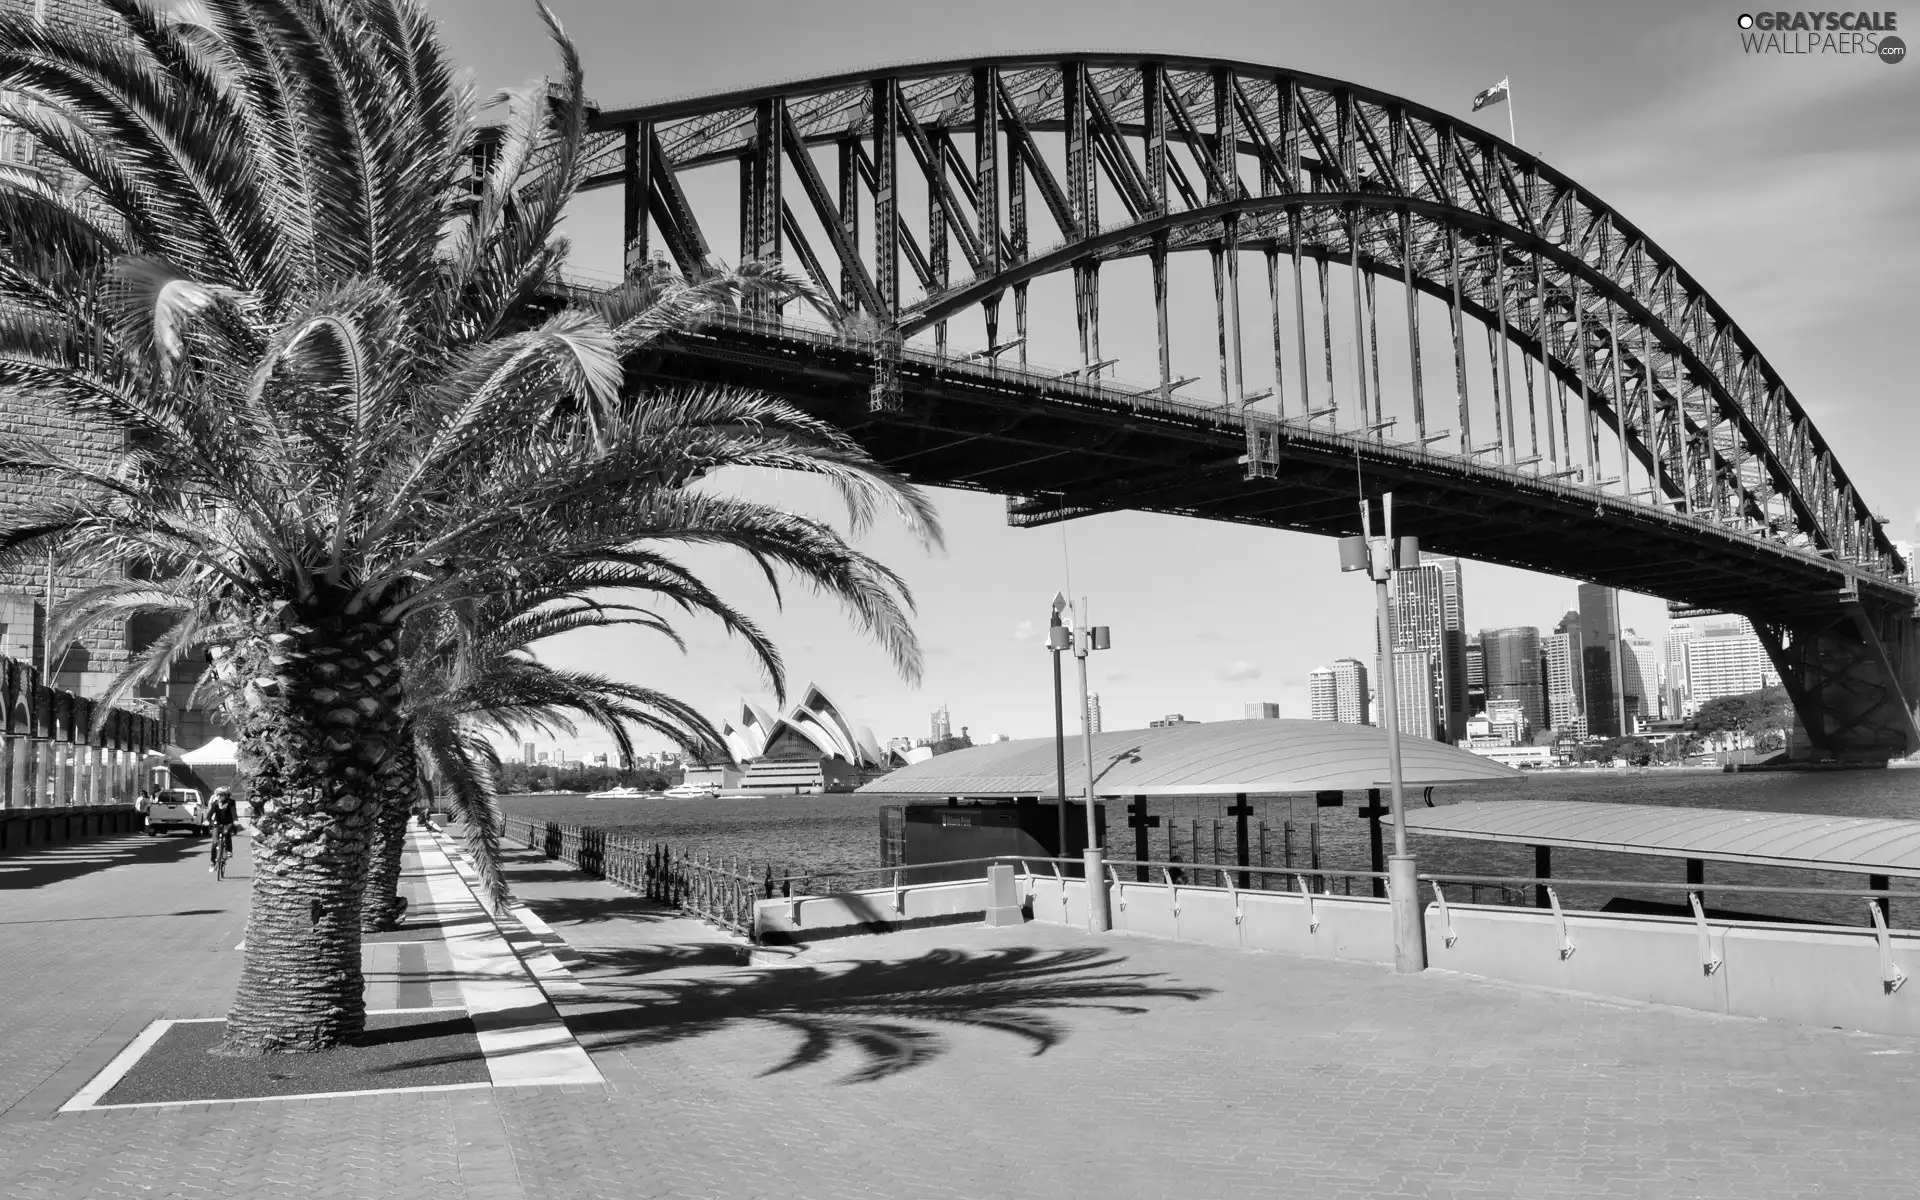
(1789, 187)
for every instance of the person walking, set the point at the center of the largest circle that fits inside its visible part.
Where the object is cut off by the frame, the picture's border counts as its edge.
(221, 815)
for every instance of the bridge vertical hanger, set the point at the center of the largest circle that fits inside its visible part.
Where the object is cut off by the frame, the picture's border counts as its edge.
(1459, 341)
(1226, 153)
(1413, 327)
(1507, 432)
(637, 183)
(1082, 201)
(765, 155)
(934, 166)
(1153, 114)
(852, 267)
(886, 197)
(1290, 152)
(986, 170)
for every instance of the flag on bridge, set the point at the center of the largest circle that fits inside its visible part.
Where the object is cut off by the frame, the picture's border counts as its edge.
(1493, 95)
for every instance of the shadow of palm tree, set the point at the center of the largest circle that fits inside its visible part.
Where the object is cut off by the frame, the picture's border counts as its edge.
(889, 1012)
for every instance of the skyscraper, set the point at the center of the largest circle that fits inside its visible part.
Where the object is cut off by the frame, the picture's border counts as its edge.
(1725, 658)
(1323, 695)
(1413, 694)
(1093, 711)
(1339, 692)
(1262, 710)
(1513, 671)
(1476, 656)
(1427, 614)
(1600, 659)
(1679, 690)
(942, 725)
(1641, 673)
(1560, 664)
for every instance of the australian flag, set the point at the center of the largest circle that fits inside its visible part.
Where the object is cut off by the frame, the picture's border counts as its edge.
(1492, 95)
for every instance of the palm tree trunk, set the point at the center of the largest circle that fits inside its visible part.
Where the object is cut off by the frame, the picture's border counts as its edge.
(322, 695)
(382, 906)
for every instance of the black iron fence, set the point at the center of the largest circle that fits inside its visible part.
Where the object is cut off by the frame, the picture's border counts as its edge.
(720, 889)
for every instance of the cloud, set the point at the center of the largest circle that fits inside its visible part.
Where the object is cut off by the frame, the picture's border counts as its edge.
(1023, 631)
(1238, 672)
(1211, 636)
(1117, 677)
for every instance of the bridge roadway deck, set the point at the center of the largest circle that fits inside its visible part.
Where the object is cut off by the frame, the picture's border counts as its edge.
(1064, 449)
(960, 1062)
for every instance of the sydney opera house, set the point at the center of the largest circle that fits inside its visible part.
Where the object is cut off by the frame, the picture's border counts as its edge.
(810, 749)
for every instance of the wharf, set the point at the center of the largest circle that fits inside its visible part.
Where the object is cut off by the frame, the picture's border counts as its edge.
(959, 1061)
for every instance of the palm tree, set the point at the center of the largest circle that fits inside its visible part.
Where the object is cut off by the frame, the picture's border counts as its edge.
(473, 673)
(345, 399)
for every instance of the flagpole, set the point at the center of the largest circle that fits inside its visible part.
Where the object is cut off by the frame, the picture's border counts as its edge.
(1511, 136)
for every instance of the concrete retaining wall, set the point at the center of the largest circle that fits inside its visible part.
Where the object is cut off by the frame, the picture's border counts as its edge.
(872, 910)
(1347, 927)
(1826, 977)
(21, 828)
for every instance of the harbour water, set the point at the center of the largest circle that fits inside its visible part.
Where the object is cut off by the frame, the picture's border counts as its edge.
(820, 835)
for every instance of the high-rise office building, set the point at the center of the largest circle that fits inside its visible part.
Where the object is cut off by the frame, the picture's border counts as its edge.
(1513, 672)
(1262, 710)
(1323, 695)
(1676, 689)
(526, 753)
(1560, 666)
(1427, 613)
(1093, 711)
(1476, 657)
(1640, 670)
(1725, 657)
(1414, 693)
(1339, 692)
(1601, 675)
(942, 725)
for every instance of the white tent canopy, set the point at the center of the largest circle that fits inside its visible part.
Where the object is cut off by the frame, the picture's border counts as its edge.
(220, 752)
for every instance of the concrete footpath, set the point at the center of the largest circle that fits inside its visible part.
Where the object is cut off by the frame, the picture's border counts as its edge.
(957, 1062)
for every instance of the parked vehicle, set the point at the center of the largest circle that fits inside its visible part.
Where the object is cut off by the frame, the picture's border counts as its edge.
(177, 808)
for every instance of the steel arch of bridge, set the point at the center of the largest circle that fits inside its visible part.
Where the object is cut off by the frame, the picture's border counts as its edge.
(1235, 158)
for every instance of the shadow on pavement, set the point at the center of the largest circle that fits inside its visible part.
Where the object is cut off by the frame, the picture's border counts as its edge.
(39, 866)
(888, 1012)
(586, 910)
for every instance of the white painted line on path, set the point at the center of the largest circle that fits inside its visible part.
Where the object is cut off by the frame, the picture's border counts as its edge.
(432, 1087)
(89, 1096)
(520, 1031)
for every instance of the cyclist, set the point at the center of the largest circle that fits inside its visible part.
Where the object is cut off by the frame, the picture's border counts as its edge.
(221, 814)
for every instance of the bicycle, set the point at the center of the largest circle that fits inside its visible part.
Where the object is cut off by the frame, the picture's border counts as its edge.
(222, 850)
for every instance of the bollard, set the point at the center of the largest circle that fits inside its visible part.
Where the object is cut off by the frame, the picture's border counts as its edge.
(1003, 901)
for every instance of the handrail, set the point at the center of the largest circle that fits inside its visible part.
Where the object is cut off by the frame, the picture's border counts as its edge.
(1566, 881)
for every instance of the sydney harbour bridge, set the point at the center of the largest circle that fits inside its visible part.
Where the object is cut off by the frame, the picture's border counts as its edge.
(1536, 382)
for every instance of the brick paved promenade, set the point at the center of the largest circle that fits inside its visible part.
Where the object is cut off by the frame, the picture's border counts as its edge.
(957, 1062)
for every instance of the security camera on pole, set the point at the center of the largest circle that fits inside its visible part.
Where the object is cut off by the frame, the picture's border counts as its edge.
(1380, 557)
(1059, 639)
(1086, 639)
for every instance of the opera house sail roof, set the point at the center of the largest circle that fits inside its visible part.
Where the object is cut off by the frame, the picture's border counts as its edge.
(813, 728)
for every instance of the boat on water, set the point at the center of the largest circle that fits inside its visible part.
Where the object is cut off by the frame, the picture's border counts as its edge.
(621, 793)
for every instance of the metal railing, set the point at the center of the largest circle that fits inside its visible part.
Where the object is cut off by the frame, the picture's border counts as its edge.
(722, 889)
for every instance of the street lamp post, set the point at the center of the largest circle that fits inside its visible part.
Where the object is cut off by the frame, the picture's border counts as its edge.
(1086, 639)
(1380, 557)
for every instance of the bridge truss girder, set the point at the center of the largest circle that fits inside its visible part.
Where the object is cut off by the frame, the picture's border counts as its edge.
(1237, 160)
